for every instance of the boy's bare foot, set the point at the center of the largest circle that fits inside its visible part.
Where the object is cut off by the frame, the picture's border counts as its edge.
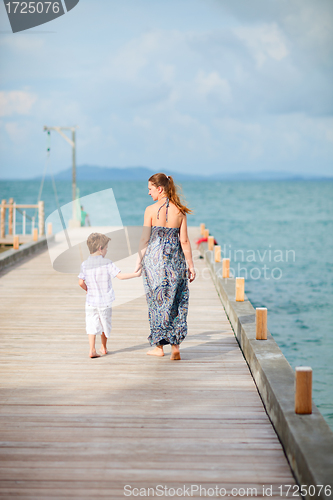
(94, 354)
(158, 351)
(175, 354)
(104, 340)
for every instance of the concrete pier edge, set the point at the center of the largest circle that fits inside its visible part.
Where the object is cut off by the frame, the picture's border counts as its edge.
(307, 439)
(11, 257)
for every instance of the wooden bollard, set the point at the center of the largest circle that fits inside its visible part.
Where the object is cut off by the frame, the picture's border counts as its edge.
(49, 228)
(210, 242)
(202, 228)
(35, 234)
(16, 244)
(303, 393)
(240, 289)
(217, 253)
(261, 323)
(225, 268)
(206, 233)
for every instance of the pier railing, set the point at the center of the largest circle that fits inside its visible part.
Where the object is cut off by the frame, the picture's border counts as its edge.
(13, 209)
(286, 394)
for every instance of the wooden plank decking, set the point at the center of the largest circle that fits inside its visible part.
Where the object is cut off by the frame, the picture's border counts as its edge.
(72, 427)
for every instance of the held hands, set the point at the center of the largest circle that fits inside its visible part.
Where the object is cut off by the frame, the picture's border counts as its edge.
(138, 270)
(191, 274)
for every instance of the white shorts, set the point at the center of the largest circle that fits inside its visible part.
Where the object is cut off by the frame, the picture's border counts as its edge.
(98, 320)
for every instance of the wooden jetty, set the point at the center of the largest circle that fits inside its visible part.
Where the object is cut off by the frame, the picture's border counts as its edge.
(20, 235)
(73, 427)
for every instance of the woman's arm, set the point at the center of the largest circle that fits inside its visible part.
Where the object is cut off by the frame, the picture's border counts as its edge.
(146, 231)
(186, 246)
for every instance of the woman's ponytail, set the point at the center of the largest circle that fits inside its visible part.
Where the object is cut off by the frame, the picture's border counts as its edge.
(167, 182)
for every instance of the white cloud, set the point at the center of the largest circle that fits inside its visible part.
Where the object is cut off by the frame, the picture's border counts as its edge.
(264, 41)
(16, 102)
(22, 44)
(167, 72)
(16, 132)
(212, 83)
(141, 122)
(134, 56)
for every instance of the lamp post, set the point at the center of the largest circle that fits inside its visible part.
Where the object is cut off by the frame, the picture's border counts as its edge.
(74, 222)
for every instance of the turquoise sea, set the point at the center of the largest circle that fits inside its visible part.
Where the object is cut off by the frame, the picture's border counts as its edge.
(280, 233)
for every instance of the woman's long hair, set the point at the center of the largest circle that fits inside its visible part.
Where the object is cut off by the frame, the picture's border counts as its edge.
(166, 181)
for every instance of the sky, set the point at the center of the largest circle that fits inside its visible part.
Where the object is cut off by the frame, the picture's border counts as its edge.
(194, 86)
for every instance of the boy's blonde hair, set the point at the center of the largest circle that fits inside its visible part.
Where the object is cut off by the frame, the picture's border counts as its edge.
(96, 240)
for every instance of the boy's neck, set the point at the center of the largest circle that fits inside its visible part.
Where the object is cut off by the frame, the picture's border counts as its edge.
(95, 254)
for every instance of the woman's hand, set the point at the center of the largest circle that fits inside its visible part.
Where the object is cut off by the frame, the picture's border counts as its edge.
(138, 269)
(191, 274)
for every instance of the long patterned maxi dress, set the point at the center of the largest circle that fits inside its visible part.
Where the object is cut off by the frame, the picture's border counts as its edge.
(165, 281)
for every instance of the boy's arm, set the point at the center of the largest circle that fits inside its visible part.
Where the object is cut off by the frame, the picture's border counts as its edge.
(83, 285)
(128, 276)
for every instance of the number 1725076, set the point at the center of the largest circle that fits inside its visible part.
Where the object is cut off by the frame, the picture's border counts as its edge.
(32, 7)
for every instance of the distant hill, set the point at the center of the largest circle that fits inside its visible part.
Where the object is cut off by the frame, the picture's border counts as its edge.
(93, 173)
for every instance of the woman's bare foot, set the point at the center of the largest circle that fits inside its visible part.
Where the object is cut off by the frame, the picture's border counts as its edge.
(175, 354)
(158, 351)
(93, 354)
(103, 350)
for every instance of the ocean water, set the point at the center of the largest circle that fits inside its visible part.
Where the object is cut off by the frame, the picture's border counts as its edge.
(279, 235)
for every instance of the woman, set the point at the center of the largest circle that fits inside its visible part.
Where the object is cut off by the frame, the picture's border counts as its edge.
(164, 250)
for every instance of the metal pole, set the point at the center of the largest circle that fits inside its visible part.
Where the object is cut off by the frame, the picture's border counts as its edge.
(72, 143)
(74, 176)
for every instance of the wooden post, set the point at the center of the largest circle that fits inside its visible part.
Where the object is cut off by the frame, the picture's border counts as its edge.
(206, 233)
(240, 289)
(49, 228)
(210, 242)
(41, 221)
(14, 219)
(225, 268)
(35, 234)
(303, 393)
(217, 253)
(10, 217)
(24, 222)
(261, 323)
(202, 228)
(16, 244)
(3, 218)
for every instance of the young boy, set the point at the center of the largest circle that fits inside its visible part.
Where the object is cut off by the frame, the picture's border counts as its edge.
(95, 278)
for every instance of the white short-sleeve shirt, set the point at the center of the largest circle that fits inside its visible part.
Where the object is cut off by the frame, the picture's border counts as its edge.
(97, 272)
